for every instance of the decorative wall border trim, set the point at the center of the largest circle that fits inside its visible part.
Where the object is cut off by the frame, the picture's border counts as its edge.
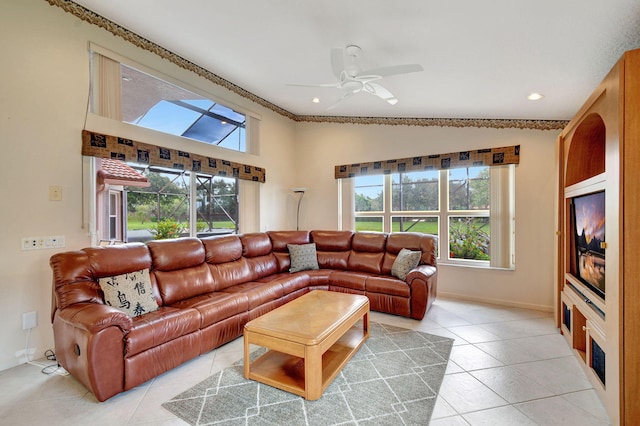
(141, 42)
(441, 122)
(117, 148)
(476, 158)
(93, 18)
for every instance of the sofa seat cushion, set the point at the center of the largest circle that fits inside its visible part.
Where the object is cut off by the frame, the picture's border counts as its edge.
(257, 293)
(346, 279)
(215, 307)
(158, 327)
(289, 282)
(387, 285)
(319, 277)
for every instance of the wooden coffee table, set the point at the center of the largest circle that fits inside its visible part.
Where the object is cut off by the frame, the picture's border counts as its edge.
(310, 339)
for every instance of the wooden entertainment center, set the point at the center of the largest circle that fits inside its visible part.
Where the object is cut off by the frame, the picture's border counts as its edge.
(598, 290)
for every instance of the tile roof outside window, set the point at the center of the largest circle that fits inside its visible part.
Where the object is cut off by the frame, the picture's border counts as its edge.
(115, 171)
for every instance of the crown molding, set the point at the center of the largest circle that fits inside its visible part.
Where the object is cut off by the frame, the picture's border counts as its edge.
(440, 122)
(93, 18)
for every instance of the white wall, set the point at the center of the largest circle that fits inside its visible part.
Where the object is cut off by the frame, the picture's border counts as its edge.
(323, 146)
(43, 98)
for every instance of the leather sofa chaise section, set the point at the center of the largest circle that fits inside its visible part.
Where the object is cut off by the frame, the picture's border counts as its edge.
(208, 289)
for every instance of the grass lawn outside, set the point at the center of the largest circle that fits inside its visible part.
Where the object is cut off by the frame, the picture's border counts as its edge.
(430, 227)
(138, 225)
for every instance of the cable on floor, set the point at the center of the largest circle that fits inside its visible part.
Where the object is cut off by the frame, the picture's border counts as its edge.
(47, 369)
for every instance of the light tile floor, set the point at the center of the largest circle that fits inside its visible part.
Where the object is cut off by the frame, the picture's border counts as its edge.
(508, 366)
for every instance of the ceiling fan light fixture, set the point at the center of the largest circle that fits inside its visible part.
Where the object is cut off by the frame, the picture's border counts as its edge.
(315, 100)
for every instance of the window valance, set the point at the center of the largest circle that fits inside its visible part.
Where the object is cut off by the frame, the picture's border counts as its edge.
(107, 146)
(476, 158)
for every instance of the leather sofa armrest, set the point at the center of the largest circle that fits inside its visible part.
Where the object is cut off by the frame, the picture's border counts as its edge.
(422, 272)
(93, 317)
(423, 283)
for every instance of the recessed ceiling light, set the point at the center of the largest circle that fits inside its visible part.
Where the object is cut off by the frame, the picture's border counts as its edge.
(316, 100)
(535, 96)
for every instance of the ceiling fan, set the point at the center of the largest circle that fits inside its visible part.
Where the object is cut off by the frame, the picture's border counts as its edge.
(344, 63)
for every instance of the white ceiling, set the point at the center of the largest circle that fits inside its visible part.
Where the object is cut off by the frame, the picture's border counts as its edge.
(481, 58)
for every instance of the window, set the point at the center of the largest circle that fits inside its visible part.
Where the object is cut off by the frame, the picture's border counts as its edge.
(115, 216)
(150, 102)
(468, 213)
(470, 209)
(124, 92)
(166, 209)
(198, 194)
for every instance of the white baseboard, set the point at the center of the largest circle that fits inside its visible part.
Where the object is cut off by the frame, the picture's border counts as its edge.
(500, 302)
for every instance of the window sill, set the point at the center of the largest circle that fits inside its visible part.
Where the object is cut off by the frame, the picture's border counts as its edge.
(474, 265)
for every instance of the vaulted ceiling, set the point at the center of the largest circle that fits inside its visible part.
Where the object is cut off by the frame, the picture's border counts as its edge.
(481, 58)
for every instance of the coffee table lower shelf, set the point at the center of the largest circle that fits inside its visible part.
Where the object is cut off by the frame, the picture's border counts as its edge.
(286, 372)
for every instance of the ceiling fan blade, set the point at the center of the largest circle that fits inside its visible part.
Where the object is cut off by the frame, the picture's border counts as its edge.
(381, 92)
(314, 85)
(337, 62)
(342, 98)
(393, 70)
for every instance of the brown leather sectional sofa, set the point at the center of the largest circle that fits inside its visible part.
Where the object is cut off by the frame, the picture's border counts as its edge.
(208, 289)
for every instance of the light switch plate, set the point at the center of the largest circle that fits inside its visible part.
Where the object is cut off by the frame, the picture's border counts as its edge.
(55, 193)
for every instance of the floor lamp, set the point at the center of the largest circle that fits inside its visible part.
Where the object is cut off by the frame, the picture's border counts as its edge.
(301, 192)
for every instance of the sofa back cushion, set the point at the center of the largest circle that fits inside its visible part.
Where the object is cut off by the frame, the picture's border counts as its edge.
(333, 248)
(72, 280)
(226, 262)
(257, 250)
(179, 269)
(118, 259)
(279, 241)
(367, 252)
(222, 249)
(76, 273)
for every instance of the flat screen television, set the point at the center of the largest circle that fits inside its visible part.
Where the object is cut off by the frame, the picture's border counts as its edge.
(588, 223)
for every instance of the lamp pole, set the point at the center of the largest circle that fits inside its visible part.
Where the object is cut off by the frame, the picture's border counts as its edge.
(301, 192)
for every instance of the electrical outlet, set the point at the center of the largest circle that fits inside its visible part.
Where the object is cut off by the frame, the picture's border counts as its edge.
(58, 241)
(29, 320)
(37, 243)
(26, 244)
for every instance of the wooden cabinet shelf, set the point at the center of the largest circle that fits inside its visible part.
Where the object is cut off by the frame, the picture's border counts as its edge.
(599, 314)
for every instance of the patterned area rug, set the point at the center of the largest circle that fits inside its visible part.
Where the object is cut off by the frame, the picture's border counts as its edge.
(392, 380)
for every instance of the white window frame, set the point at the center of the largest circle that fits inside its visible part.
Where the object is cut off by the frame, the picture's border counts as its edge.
(253, 119)
(248, 191)
(501, 216)
(115, 213)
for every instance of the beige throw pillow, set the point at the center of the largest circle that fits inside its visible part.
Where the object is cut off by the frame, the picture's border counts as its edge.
(129, 292)
(405, 262)
(303, 257)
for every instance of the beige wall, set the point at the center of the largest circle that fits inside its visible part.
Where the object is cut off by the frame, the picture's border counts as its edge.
(43, 101)
(323, 146)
